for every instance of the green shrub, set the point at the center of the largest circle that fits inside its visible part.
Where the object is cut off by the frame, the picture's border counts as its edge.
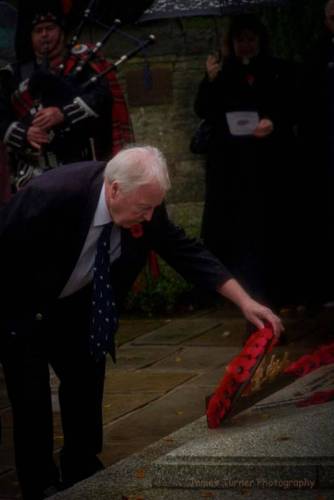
(149, 296)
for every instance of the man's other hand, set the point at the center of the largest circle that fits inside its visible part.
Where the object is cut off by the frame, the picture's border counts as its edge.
(47, 118)
(36, 137)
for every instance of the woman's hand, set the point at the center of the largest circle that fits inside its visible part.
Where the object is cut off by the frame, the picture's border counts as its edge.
(213, 66)
(264, 128)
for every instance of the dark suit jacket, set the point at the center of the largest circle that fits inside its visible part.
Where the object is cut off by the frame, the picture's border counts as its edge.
(44, 227)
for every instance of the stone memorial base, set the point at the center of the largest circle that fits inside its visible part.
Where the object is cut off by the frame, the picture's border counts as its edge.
(274, 444)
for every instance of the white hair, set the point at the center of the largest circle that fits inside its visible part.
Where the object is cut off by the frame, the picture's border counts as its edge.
(328, 7)
(137, 165)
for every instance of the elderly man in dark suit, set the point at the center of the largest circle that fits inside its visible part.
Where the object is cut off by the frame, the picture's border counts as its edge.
(54, 307)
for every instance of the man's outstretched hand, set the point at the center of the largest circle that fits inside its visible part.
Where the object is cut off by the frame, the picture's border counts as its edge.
(253, 311)
(258, 315)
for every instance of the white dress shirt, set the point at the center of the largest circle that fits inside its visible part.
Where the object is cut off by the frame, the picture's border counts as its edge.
(82, 273)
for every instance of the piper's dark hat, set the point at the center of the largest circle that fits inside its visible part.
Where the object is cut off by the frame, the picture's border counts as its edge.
(40, 11)
(49, 16)
(29, 15)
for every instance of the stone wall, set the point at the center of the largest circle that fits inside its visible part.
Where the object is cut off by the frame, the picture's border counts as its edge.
(170, 125)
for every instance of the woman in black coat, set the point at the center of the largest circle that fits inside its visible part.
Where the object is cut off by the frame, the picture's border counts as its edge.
(248, 97)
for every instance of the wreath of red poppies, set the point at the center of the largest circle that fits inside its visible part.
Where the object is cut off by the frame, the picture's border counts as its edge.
(324, 355)
(238, 374)
(242, 367)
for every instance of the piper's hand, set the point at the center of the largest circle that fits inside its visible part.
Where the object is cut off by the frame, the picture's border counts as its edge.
(264, 128)
(213, 66)
(47, 118)
(258, 315)
(37, 137)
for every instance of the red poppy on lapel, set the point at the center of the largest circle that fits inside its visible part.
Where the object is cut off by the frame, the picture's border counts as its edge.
(136, 231)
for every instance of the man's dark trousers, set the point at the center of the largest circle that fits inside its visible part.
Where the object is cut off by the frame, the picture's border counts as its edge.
(60, 338)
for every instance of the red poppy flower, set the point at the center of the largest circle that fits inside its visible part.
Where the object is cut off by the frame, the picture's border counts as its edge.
(260, 341)
(304, 365)
(254, 351)
(222, 414)
(227, 404)
(240, 368)
(267, 332)
(213, 412)
(227, 387)
(256, 340)
(297, 365)
(137, 230)
(272, 344)
(326, 353)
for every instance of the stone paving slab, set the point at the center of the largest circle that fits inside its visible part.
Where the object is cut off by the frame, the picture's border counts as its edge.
(137, 357)
(161, 416)
(124, 381)
(141, 428)
(130, 329)
(197, 358)
(120, 404)
(208, 379)
(178, 331)
(226, 334)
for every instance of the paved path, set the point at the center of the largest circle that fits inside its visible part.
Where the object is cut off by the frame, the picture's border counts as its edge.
(165, 369)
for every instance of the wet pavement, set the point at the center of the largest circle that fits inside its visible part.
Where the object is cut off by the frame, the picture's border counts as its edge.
(165, 369)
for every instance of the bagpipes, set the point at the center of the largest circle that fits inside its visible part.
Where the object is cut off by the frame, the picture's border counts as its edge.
(94, 50)
(70, 74)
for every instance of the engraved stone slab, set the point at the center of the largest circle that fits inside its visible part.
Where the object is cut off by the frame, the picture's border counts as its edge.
(275, 444)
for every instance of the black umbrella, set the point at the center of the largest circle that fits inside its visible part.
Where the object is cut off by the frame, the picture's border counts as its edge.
(184, 8)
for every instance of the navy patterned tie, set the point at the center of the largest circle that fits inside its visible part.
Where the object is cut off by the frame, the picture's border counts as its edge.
(104, 319)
